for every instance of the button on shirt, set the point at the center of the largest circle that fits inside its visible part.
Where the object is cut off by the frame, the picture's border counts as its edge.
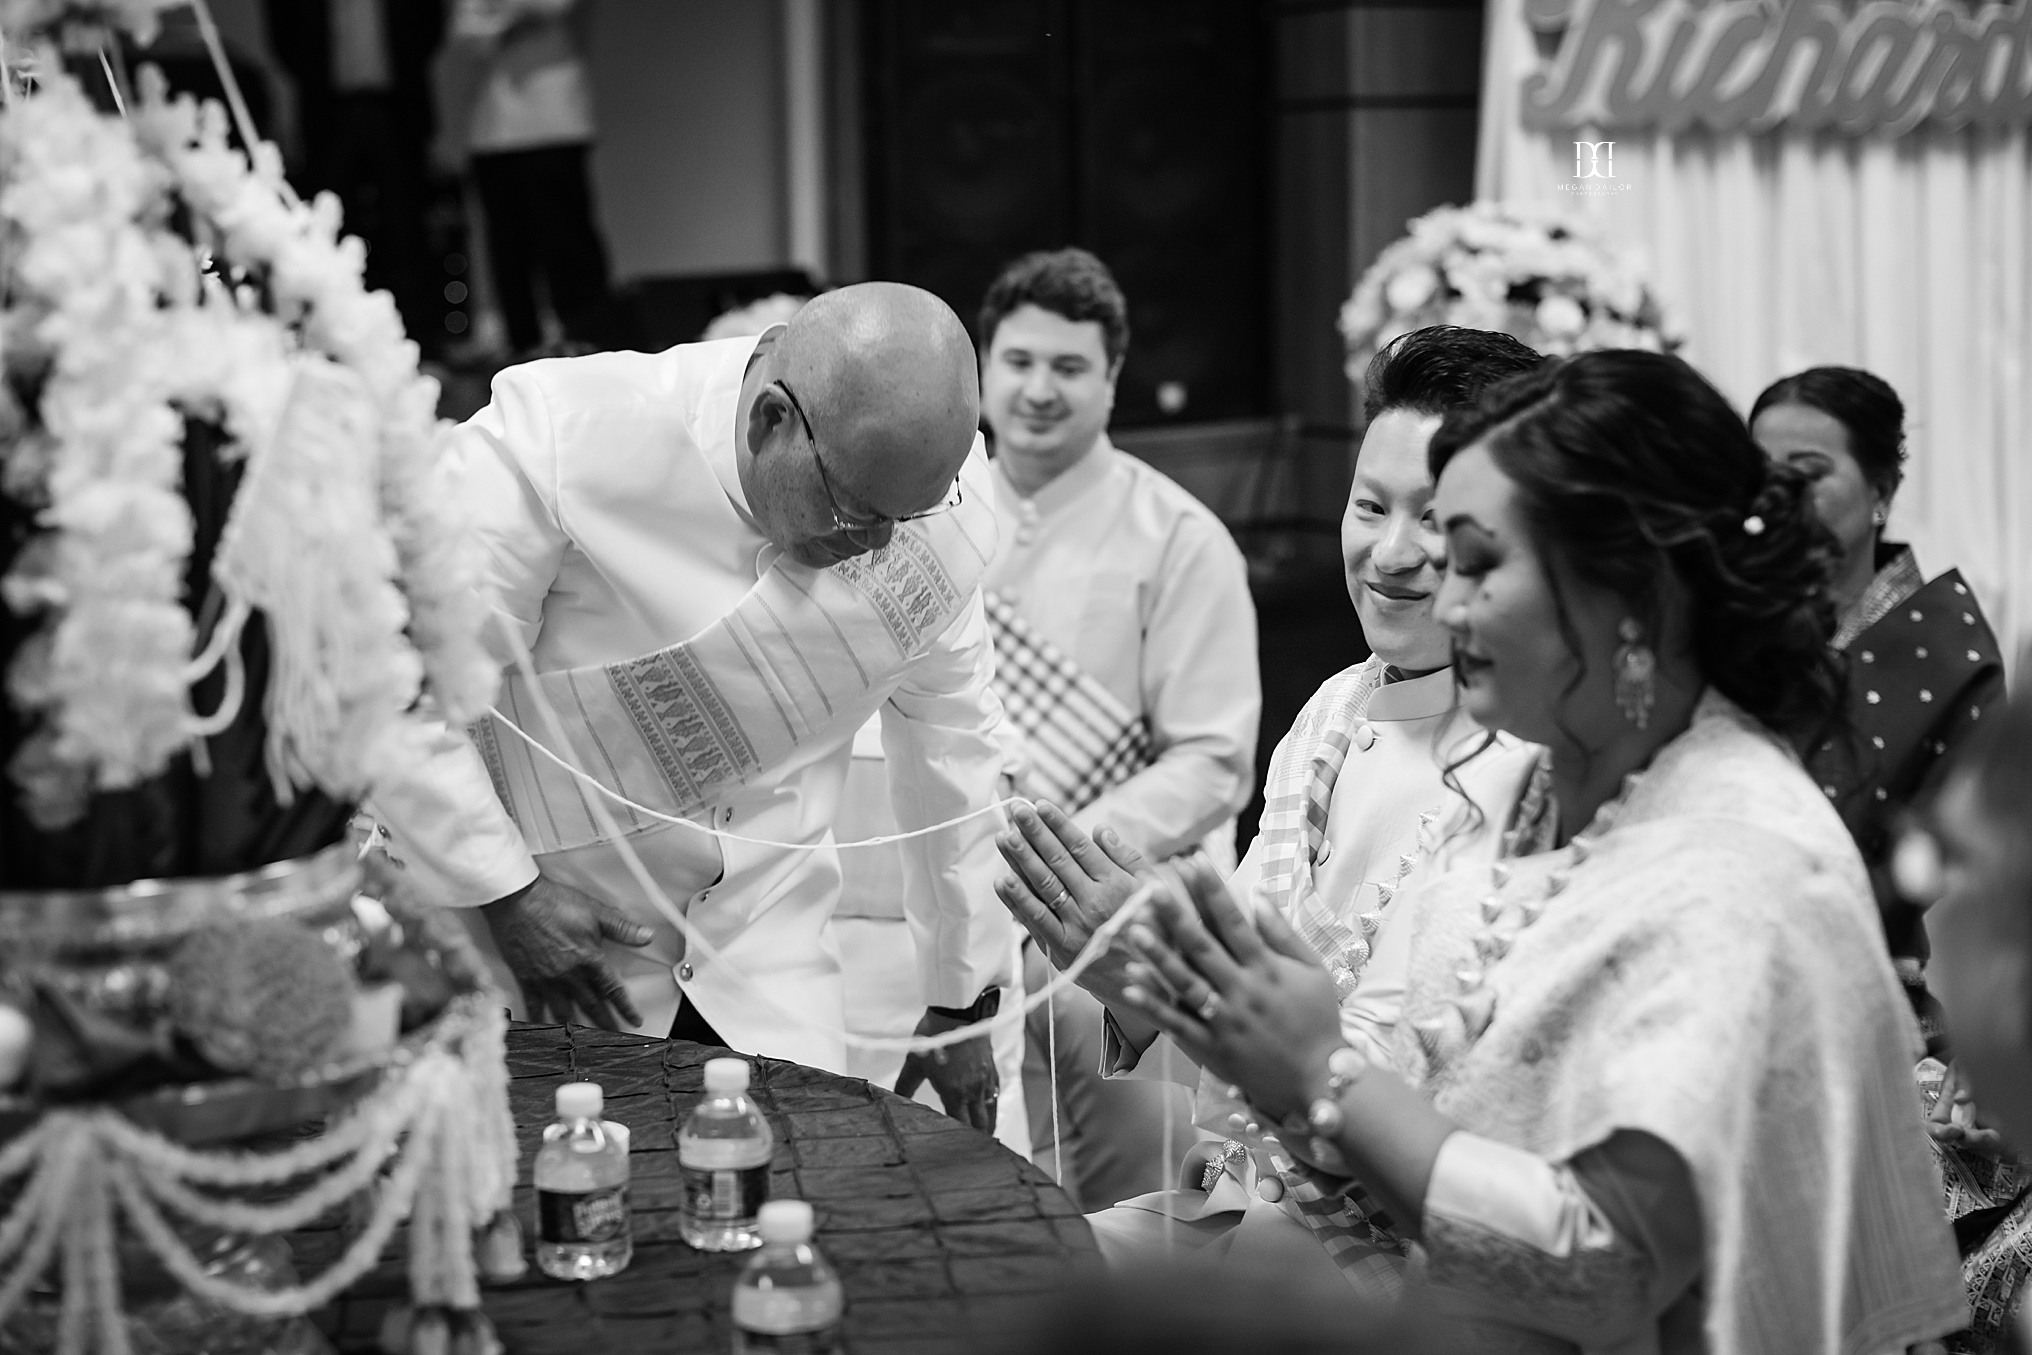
(1140, 584)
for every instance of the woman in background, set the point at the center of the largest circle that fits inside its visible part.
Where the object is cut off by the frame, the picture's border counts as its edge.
(1922, 668)
(1922, 661)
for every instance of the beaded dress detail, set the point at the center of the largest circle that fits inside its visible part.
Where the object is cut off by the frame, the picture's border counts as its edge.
(1533, 830)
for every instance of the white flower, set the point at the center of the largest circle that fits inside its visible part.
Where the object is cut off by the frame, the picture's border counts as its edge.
(1411, 288)
(108, 307)
(1560, 316)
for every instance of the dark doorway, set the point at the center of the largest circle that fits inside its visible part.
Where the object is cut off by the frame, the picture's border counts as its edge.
(1135, 128)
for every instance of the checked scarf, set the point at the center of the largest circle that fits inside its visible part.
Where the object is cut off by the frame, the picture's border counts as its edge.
(1080, 739)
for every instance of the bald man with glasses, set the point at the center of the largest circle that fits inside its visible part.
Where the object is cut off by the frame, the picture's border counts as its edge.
(724, 559)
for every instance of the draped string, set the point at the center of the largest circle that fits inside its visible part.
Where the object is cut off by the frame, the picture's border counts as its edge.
(1057, 1135)
(697, 941)
(879, 840)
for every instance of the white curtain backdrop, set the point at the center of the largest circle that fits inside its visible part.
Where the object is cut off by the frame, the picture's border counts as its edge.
(1911, 257)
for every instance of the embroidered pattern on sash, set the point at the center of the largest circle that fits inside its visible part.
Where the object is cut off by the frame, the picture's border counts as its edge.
(907, 585)
(488, 741)
(680, 714)
(676, 729)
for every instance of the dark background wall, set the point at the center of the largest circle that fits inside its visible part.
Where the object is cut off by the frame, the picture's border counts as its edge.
(1134, 127)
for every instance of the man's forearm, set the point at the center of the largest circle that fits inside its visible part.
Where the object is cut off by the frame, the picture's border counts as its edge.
(448, 828)
(1173, 803)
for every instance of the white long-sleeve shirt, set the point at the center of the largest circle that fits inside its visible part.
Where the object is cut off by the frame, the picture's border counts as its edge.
(1140, 584)
(606, 494)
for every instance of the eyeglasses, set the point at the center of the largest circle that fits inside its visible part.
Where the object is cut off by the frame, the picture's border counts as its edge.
(842, 521)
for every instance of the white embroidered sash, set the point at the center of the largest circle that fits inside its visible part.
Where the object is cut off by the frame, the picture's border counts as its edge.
(1080, 739)
(679, 728)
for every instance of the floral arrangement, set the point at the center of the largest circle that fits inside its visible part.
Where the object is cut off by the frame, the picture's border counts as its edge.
(1553, 282)
(235, 594)
(159, 284)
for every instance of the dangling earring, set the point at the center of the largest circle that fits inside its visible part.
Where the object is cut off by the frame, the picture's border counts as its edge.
(1636, 671)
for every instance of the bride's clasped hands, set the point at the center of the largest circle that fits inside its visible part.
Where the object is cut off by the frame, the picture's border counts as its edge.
(1245, 998)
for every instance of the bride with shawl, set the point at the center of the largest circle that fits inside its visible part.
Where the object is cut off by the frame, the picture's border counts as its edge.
(1652, 1074)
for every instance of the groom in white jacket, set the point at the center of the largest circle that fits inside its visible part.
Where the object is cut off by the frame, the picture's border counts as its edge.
(724, 558)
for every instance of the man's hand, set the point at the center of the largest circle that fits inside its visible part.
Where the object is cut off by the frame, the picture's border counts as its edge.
(1065, 886)
(554, 940)
(964, 1074)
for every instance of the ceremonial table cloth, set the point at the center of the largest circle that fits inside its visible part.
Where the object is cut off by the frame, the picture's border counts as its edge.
(940, 1235)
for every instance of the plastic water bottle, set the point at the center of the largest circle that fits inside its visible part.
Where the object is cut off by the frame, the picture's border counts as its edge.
(788, 1300)
(582, 1229)
(723, 1155)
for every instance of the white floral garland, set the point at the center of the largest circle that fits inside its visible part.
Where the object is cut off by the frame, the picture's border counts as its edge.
(1464, 265)
(112, 303)
(434, 1143)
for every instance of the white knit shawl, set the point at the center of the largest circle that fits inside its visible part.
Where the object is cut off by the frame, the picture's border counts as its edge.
(1714, 974)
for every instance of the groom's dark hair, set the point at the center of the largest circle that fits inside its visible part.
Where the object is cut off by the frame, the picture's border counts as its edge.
(1441, 368)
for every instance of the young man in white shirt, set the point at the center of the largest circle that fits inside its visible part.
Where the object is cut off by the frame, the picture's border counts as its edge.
(1125, 645)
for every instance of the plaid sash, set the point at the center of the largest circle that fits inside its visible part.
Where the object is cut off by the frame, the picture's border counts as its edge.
(1081, 741)
(1352, 1228)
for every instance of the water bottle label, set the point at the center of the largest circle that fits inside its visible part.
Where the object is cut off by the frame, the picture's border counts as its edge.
(825, 1341)
(793, 1311)
(722, 1195)
(581, 1216)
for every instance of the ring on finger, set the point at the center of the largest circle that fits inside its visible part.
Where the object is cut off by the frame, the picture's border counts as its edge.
(1209, 1007)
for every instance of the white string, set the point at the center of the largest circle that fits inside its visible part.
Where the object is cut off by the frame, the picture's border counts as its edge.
(1097, 945)
(235, 100)
(1169, 1165)
(879, 840)
(1057, 1137)
(119, 104)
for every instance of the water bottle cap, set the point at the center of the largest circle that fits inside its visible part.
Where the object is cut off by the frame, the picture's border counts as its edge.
(579, 1101)
(726, 1075)
(785, 1221)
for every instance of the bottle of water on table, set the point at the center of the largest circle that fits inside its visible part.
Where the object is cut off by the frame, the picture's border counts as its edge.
(788, 1301)
(723, 1155)
(582, 1229)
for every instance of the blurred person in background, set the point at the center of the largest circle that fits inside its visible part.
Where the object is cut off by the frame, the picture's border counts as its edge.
(1125, 643)
(1973, 853)
(528, 107)
(1922, 663)
(1188, 1309)
(365, 119)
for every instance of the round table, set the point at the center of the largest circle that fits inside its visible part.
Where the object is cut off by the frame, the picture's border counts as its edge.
(940, 1235)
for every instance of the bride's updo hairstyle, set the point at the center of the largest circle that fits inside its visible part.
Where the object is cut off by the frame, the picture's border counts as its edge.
(1629, 465)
